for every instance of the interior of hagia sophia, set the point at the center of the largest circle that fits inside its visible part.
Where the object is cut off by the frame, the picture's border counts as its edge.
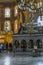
(15, 20)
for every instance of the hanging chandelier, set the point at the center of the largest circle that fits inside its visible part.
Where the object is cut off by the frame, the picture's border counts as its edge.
(31, 5)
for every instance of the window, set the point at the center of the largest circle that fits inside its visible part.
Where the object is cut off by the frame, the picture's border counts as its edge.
(7, 12)
(16, 26)
(40, 21)
(7, 26)
(16, 10)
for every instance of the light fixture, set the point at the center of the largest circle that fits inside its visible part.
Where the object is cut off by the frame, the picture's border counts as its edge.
(32, 4)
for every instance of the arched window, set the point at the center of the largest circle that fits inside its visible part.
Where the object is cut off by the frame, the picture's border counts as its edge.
(23, 43)
(7, 12)
(7, 26)
(31, 42)
(16, 10)
(16, 43)
(39, 43)
(40, 21)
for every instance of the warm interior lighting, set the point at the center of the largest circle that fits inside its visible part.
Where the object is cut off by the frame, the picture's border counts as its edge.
(2, 36)
(32, 6)
(16, 10)
(2, 41)
(16, 26)
(40, 4)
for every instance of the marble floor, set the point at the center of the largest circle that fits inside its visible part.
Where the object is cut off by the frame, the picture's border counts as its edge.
(11, 59)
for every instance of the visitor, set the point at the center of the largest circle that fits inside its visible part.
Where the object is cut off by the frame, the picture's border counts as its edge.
(1, 47)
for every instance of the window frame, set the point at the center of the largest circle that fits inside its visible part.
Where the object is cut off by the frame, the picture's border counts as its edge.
(9, 13)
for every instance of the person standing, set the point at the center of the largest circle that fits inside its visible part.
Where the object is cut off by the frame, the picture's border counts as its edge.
(14, 49)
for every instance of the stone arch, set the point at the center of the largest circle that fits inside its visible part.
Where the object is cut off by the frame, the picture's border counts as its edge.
(31, 42)
(39, 43)
(16, 43)
(23, 44)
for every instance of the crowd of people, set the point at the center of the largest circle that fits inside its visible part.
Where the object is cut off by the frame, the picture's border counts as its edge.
(16, 45)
